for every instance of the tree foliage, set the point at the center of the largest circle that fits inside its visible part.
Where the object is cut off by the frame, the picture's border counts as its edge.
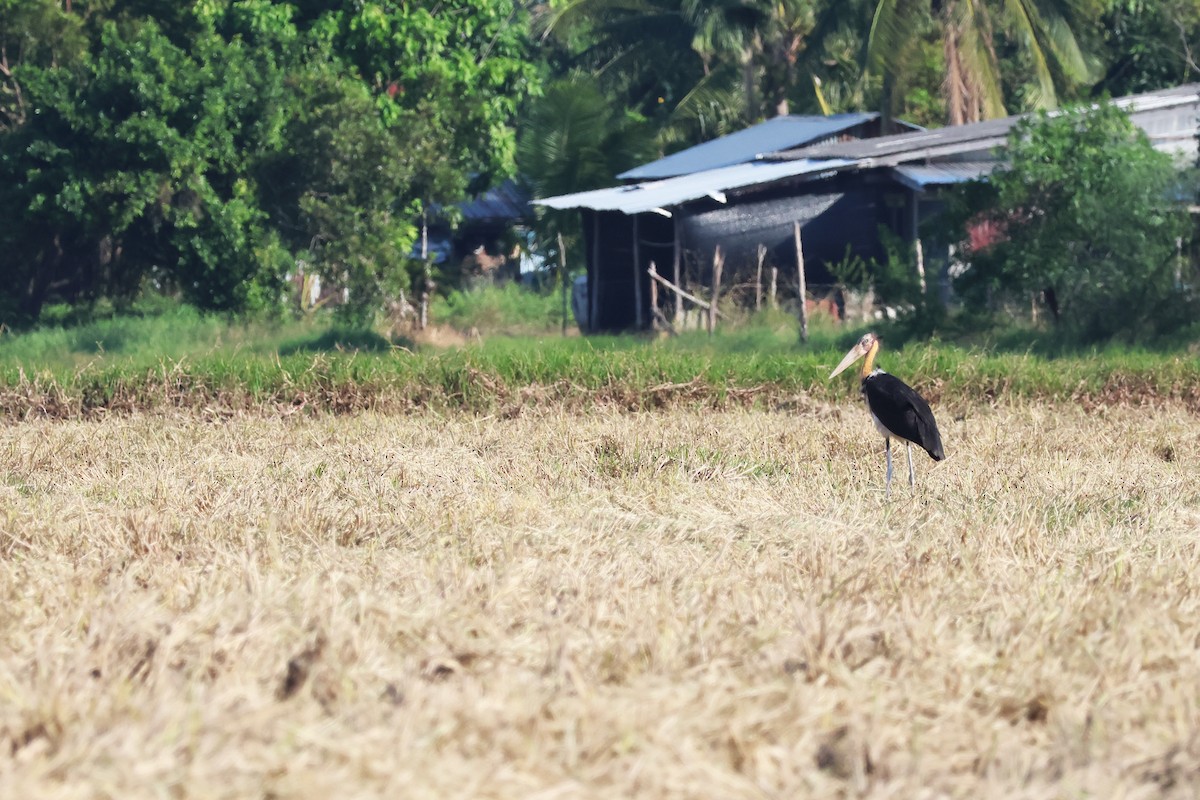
(1087, 212)
(573, 140)
(1044, 34)
(1151, 44)
(208, 148)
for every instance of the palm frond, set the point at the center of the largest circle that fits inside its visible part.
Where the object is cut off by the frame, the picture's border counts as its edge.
(977, 57)
(1030, 29)
(891, 29)
(711, 108)
(561, 18)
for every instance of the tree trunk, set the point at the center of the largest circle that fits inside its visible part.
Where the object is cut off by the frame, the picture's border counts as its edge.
(748, 85)
(956, 101)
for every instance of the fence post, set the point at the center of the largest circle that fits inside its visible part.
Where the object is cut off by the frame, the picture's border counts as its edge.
(677, 257)
(718, 262)
(562, 274)
(637, 277)
(653, 297)
(762, 255)
(803, 287)
(921, 266)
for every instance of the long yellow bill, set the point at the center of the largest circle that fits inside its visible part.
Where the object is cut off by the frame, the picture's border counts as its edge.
(855, 354)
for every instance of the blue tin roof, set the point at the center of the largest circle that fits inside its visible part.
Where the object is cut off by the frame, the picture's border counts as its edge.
(942, 173)
(780, 133)
(508, 201)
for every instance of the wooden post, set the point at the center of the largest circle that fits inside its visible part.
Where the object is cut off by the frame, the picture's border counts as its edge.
(639, 314)
(718, 262)
(657, 318)
(653, 297)
(921, 265)
(594, 283)
(426, 278)
(803, 287)
(774, 284)
(678, 265)
(682, 293)
(562, 275)
(762, 255)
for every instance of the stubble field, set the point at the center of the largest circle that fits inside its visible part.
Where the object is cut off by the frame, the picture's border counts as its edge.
(601, 604)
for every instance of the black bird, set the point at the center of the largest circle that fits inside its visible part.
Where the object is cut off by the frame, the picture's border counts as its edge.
(897, 410)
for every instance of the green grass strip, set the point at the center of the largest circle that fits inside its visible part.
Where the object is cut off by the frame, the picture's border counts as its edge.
(505, 374)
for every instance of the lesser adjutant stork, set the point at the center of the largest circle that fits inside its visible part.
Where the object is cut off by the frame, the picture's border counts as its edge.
(897, 410)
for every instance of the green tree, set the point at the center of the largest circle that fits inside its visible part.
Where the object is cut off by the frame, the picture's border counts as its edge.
(1044, 34)
(131, 170)
(733, 61)
(1149, 44)
(205, 154)
(622, 44)
(32, 32)
(765, 37)
(838, 64)
(462, 68)
(345, 222)
(572, 140)
(1089, 210)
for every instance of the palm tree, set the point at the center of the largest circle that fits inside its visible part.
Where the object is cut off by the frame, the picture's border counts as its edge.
(1043, 30)
(764, 37)
(624, 43)
(572, 139)
(713, 46)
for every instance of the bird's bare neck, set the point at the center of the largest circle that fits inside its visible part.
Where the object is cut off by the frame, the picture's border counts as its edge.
(869, 361)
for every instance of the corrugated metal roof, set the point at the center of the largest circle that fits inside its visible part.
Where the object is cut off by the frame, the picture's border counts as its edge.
(661, 195)
(943, 173)
(905, 146)
(1168, 116)
(509, 200)
(780, 133)
(1144, 109)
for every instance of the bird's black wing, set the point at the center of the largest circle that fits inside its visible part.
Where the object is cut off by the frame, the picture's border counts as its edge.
(903, 412)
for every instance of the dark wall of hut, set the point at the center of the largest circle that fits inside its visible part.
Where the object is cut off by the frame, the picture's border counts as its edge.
(833, 225)
(839, 219)
(619, 288)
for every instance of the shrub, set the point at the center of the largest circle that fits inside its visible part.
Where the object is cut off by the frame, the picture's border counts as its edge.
(509, 308)
(1086, 212)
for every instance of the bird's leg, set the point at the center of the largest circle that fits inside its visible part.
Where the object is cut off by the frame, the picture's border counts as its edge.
(887, 449)
(912, 476)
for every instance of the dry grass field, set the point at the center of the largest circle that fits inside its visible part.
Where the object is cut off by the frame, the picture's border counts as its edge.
(562, 605)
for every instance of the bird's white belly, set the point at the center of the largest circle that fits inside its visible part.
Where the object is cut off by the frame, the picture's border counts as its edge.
(884, 432)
